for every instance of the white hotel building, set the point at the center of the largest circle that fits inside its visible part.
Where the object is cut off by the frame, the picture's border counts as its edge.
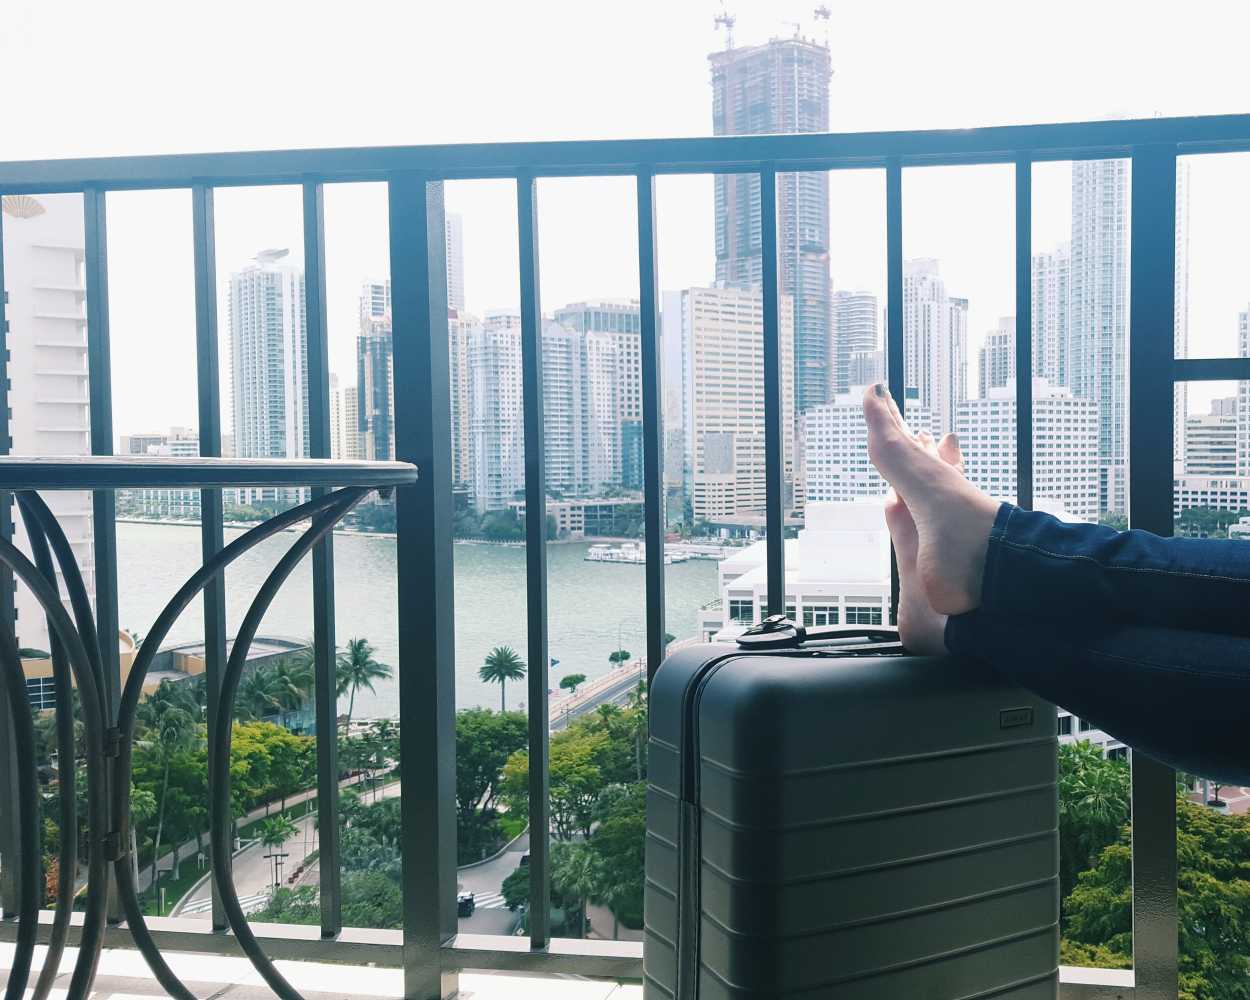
(835, 447)
(44, 284)
(837, 573)
(1065, 447)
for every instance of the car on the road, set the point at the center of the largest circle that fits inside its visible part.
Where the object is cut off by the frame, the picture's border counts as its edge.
(465, 904)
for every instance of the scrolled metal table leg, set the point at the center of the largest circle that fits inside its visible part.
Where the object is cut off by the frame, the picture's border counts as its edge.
(76, 645)
(220, 765)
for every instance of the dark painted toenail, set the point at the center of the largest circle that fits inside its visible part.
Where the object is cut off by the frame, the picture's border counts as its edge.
(879, 389)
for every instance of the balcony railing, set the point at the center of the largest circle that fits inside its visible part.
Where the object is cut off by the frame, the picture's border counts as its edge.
(429, 949)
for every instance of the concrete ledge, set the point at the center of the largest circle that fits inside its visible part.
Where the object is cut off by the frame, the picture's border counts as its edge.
(618, 960)
(490, 952)
(1079, 983)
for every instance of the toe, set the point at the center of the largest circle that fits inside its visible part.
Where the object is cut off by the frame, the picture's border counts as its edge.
(877, 412)
(950, 452)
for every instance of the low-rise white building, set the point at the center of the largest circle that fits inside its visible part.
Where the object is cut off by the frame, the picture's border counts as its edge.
(1065, 446)
(835, 448)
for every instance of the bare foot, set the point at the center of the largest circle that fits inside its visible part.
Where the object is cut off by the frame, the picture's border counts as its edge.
(921, 629)
(953, 518)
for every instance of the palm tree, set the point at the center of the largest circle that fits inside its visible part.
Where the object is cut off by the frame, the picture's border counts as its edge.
(273, 833)
(356, 668)
(575, 872)
(171, 729)
(291, 681)
(256, 697)
(502, 664)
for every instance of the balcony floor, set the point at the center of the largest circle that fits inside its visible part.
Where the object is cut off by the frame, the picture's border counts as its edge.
(123, 975)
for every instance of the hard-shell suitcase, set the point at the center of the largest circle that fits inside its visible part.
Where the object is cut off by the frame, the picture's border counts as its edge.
(828, 816)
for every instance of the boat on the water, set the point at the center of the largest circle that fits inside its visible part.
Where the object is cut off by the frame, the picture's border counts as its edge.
(629, 552)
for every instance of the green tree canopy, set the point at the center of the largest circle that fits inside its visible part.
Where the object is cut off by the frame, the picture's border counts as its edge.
(1213, 900)
(1093, 807)
(571, 682)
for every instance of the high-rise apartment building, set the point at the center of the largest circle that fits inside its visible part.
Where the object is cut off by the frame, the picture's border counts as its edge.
(781, 86)
(454, 224)
(835, 447)
(1065, 454)
(723, 329)
(43, 329)
(1098, 317)
(375, 373)
(582, 428)
(935, 341)
(621, 321)
(345, 440)
(1243, 396)
(1051, 307)
(459, 327)
(269, 364)
(996, 358)
(1097, 361)
(496, 431)
(856, 354)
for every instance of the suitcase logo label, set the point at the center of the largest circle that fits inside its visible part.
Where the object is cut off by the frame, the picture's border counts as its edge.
(1011, 718)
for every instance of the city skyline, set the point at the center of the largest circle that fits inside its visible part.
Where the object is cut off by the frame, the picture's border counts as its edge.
(962, 216)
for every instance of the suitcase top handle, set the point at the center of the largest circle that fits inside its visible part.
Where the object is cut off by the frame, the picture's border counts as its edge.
(779, 632)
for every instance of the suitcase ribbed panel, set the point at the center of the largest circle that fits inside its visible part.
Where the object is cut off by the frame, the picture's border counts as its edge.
(868, 827)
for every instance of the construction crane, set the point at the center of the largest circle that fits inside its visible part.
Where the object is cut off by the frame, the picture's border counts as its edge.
(726, 20)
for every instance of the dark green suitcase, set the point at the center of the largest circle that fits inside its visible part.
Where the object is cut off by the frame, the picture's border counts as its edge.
(829, 816)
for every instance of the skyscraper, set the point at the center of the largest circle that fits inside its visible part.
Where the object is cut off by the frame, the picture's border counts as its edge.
(780, 86)
(857, 356)
(454, 225)
(459, 327)
(1098, 352)
(375, 373)
(1051, 304)
(43, 328)
(725, 344)
(996, 359)
(935, 339)
(496, 432)
(582, 431)
(269, 364)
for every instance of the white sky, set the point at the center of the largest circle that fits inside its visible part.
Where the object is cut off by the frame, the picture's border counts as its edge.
(128, 77)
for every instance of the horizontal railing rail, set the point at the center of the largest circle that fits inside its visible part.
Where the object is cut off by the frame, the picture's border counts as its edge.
(719, 154)
(430, 947)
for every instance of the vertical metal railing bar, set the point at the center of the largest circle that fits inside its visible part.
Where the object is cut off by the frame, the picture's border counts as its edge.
(774, 413)
(212, 530)
(424, 565)
(894, 355)
(1152, 292)
(652, 417)
(535, 561)
(1024, 332)
(324, 688)
(10, 869)
(103, 502)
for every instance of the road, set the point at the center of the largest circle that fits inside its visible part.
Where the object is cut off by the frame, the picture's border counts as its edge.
(484, 881)
(613, 688)
(253, 872)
